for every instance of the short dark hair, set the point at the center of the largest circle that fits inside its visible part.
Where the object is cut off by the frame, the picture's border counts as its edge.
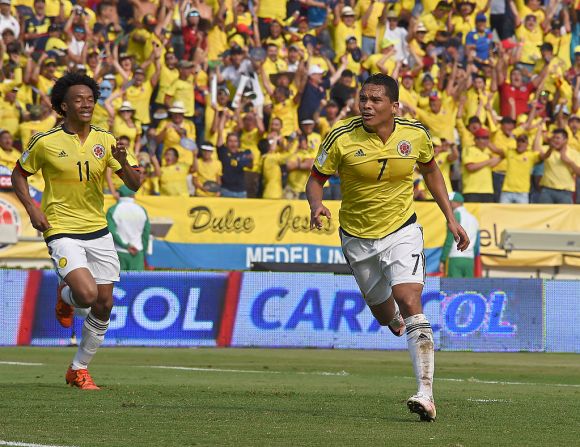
(561, 132)
(172, 149)
(62, 86)
(391, 86)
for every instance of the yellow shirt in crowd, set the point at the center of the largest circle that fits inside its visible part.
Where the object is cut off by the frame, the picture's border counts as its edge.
(173, 180)
(557, 174)
(519, 170)
(478, 181)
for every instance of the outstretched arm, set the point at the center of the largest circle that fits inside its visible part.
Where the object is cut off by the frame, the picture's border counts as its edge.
(434, 181)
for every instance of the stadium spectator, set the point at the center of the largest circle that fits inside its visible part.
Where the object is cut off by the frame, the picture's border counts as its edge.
(346, 25)
(396, 34)
(370, 13)
(560, 166)
(177, 133)
(233, 160)
(250, 129)
(480, 39)
(129, 225)
(520, 162)
(124, 123)
(478, 161)
(207, 177)
(182, 89)
(9, 155)
(7, 20)
(504, 139)
(298, 166)
(455, 263)
(173, 174)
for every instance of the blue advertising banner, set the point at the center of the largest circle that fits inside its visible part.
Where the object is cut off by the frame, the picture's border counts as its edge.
(327, 311)
(297, 310)
(12, 284)
(562, 316)
(491, 315)
(150, 308)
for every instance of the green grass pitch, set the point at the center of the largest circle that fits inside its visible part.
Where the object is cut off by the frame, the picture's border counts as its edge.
(260, 397)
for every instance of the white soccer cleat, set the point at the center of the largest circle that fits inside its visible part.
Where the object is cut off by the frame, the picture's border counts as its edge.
(423, 406)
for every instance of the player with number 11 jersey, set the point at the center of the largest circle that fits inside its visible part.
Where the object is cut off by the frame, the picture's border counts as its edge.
(73, 173)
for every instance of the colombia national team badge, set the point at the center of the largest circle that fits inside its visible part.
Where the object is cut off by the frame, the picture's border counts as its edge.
(62, 262)
(404, 148)
(98, 151)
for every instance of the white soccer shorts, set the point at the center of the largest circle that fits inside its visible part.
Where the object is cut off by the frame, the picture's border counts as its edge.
(97, 255)
(380, 264)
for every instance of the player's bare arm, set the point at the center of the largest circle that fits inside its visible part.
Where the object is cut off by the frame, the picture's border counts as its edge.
(314, 190)
(127, 173)
(434, 181)
(20, 184)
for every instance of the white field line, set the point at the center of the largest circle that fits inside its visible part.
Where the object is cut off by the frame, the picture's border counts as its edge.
(322, 373)
(489, 401)
(501, 382)
(26, 444)
(19, 364)
(247, 371)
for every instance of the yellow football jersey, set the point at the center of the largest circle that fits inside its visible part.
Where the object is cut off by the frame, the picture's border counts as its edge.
(73, 174)
(376, 177)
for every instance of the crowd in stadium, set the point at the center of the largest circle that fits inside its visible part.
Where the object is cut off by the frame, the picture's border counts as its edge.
(232, 98)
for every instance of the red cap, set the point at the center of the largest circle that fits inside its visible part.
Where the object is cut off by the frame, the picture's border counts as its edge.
(407, 74)
(481, 133)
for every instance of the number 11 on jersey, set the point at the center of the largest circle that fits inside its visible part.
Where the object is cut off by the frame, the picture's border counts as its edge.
(87, 170)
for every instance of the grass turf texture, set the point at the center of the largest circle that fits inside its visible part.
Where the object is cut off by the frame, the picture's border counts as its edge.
(284, 402)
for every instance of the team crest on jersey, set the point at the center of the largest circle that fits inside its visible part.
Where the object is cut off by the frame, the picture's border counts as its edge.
(404, 148)
(98, 151)
(62, 262)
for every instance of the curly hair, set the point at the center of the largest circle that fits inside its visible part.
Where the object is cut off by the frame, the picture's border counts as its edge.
(61, 87)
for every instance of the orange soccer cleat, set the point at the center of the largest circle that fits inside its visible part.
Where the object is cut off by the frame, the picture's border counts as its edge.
(80, 378)
(64, 311)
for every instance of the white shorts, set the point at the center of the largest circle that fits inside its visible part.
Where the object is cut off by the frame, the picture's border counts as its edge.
(380, 264)
(97, 255)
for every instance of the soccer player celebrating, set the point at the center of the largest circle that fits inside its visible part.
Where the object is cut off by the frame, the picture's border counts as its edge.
(374, 155)
(73, 158)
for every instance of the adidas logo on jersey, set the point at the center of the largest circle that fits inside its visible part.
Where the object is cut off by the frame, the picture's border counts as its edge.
(62, 154)
(360, 153)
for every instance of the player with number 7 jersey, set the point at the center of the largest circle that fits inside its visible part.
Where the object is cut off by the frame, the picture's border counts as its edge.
(374, 155)
(73, 158)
